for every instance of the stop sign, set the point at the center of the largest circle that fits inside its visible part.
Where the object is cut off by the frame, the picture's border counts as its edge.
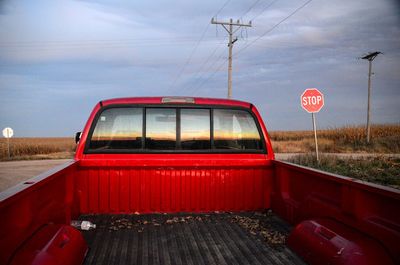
(312, 100)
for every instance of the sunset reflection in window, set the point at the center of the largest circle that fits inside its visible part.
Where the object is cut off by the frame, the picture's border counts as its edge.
(235, 129)
(118, 128)
(160, 128)
(172, 128)
(195, 129)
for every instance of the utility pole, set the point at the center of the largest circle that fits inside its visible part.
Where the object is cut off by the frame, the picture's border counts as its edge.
(232, 40)
(370, 57)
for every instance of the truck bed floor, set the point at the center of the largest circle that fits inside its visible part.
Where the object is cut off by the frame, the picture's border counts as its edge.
(218, 238)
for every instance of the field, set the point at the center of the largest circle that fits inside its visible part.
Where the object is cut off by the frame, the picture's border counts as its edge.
(380, 169)
(385, 139)
(352, 139)
(37, 148)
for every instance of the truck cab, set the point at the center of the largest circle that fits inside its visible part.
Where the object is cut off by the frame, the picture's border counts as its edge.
(179, 180)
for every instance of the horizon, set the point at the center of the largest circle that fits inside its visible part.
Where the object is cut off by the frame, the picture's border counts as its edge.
(60, 58)
(269, 131)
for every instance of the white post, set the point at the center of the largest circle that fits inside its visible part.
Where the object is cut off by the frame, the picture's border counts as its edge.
(8, 148)
(315, 135)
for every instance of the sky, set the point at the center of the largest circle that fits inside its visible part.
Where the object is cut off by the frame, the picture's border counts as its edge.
(59, 58)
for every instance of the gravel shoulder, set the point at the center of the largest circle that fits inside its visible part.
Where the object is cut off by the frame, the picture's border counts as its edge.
(14, 172)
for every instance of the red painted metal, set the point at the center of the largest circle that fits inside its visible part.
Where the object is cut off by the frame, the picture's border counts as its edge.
(26, 208)
(158, 100)
(128, 183)
(325, 241)
(52, 245)
(146, 183)
(301, 193)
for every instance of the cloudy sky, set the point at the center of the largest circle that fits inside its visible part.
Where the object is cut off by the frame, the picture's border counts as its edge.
(59, 58)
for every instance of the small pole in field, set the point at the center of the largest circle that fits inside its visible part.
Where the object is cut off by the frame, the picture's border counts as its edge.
(370, 57)
(312, 100)
(8, 148)
(8, 133)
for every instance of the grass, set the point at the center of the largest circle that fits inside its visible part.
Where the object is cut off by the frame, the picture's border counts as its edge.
(381, 169)
(351, 139)
(37, 148)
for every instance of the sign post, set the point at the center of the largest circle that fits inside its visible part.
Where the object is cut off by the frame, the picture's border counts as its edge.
(312, 100)
(8, 133)
(315, 135)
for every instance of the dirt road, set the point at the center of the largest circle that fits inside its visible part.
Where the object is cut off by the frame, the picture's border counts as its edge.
(14, 172)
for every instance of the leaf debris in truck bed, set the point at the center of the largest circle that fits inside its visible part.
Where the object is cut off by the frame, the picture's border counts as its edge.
(257, 224)
(189, 238)
(261, 227)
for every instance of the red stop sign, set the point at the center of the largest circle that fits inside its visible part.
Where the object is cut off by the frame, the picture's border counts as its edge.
(312, 100)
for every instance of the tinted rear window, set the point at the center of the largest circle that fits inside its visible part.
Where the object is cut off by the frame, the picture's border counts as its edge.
(235, 129)
(195, 129)
(175, 129)
(118, 128)
(161, 128)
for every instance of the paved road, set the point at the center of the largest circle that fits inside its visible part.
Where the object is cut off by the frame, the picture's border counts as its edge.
(14, 172)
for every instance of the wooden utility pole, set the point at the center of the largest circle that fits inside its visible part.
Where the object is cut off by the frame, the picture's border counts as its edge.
(370, 57)
(232, 40)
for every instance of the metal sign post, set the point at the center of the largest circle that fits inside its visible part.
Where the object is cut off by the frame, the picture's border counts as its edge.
(312, 100)
(8, 133)
(315, 135)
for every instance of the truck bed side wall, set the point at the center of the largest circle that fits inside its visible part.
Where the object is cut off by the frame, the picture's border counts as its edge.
(300, 193)
(47, 198)
(176, 183)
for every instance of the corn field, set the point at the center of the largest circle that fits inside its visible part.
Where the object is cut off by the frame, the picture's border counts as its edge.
(29, 148)
(384, 139)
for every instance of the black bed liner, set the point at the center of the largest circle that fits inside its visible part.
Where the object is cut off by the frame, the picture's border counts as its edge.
(218, 238)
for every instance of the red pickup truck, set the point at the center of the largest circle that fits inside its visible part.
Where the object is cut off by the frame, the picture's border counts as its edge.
(178, 180)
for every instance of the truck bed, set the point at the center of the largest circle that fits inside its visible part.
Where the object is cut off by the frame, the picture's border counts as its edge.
(218, 238)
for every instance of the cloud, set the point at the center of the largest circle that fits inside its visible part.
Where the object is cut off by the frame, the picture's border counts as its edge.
(58, 54)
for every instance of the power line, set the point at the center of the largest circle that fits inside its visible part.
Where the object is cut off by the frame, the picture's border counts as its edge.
(228, 26)
(89, 42)
(195, 48)
(264, 34)
(113, 46)
(200, 69)
(273, 27)
(264, 9)
(220, 56)
(222, 8)
(189, 58)
(248, 10)
(215, 71)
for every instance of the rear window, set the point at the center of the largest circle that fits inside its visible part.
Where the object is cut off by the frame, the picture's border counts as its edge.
(161, 129)
(174, 129)
(118, 128)
(235, 129)
(195, 129)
